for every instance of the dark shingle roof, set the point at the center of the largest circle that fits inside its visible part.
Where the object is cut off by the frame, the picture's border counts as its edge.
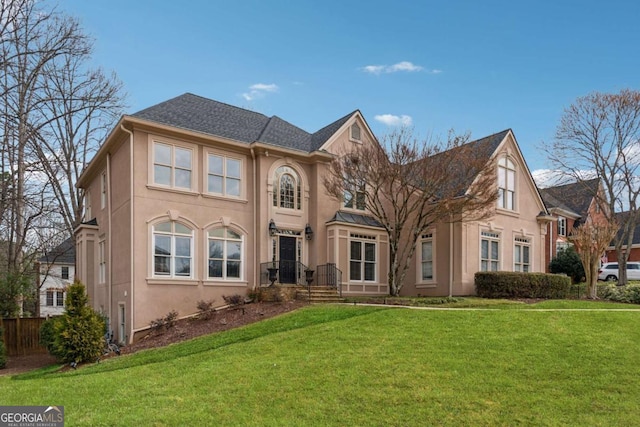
(483, 148)
(354, 218)
(575, 197)
(195, 113)
(64, 253)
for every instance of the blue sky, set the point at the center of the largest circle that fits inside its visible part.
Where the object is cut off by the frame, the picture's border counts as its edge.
(477, 66)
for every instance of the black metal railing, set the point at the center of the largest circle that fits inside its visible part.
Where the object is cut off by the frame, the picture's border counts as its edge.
(283, 272)
(329, 275)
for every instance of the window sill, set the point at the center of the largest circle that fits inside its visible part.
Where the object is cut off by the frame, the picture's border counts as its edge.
(426, 285)
(289, 212)
(225, 198)
(222, 283)
(172, 190)
(508, 212)
(171, 281)
(355, 141)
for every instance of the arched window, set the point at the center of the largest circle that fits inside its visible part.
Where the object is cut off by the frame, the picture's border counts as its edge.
(506, 184)
(287, 192)
(225, 254)
(172, 249)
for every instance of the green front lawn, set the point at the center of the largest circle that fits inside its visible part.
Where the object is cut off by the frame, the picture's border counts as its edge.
(346, 365)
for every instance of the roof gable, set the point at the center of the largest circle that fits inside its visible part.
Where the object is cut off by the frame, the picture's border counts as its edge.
(575, 197)
(199, 114)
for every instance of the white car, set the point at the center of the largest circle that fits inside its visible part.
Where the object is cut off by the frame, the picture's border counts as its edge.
(609, 271)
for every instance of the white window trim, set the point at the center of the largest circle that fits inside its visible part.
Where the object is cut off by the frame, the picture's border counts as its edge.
(172, 277)
(225, 156)
(426, 283)
(364, 238)
(243, 265)
(562, 226)
(509, 165)
(153, 139)
(351, 138)
(299, 190)
(495, 236)
(522, 242)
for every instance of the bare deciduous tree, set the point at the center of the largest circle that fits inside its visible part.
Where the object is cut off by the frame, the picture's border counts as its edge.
(54, 110)
(409, 185)
(599, 136)
(591, 240)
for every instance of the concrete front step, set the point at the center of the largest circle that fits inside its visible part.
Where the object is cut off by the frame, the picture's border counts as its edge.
(319, 295)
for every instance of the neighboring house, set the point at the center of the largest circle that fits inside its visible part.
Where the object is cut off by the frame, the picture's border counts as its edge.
(193, 199)
(570, 205)
(56, 271)
(634, 254)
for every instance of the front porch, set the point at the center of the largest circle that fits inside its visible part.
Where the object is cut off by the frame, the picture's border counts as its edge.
(296, 280)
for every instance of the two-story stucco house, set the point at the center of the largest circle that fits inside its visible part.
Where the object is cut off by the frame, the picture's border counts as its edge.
(192, 199)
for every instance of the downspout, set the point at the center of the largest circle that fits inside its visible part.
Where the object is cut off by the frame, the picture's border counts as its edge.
(256, 271)
(110, 283)
(451, 258)
(132, 247)
(550, 244)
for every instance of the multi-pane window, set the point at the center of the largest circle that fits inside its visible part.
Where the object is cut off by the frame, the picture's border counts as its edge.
(362, 258)
(521, 257)
(427, 257)
(55, 298)
(562, 226)
(102, 263)
(64, 272)
(172, 165)
(355, 195)
(225, 254)
(489, 251)
(287, 192)
(506, 184)
(172, 249)
(355, 132)
(223, 175)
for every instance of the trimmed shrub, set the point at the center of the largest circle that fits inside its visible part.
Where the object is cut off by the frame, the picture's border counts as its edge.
(3, 351)
(79, 332)
(629, 294)
(507, 284)
(568, 262)
(166, 322)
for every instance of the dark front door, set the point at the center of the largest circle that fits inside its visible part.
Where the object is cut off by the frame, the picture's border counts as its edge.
(287, 259)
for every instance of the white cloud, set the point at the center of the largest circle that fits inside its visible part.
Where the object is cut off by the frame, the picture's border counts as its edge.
(405, 66)
(393, 120)
(258, 90)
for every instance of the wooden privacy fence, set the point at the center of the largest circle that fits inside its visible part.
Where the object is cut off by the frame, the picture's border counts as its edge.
(22, 335)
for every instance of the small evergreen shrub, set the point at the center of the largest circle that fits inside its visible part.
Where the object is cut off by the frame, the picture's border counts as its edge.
(79, 332)
(568, 262)
(3, 351)
(507, 284)
(48, 336)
